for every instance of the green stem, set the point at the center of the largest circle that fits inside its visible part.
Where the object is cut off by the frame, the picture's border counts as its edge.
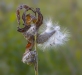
(35, 43)
(36, 64)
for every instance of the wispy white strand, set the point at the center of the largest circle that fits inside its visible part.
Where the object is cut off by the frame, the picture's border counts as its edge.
(60, 37)
(31, 31)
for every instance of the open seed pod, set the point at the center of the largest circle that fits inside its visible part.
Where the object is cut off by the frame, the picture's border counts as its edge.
(28, 19)
(29, 57)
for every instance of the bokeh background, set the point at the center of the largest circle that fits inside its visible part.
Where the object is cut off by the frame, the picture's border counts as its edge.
(66, 60)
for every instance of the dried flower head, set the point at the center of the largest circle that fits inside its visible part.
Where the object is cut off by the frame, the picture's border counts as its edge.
(52, 36)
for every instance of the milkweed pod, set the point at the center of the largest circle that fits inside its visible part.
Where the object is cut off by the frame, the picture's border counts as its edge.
(29, 57)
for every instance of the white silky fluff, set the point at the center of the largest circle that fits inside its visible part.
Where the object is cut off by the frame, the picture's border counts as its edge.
(58, 38)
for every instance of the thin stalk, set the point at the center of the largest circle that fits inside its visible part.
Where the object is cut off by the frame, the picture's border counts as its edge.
(35, 42)
(36, 64)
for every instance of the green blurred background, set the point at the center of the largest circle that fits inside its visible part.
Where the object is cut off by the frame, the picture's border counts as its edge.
(66, 60)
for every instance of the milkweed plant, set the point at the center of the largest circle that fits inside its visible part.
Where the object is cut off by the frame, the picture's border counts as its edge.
(52, 34)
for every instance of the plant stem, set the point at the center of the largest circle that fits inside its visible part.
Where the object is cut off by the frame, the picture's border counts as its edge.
(36, 64)
(35, 42)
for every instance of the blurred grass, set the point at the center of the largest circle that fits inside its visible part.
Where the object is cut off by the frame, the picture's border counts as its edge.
(65, 60)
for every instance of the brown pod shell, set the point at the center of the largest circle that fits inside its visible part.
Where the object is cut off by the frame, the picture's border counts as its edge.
(29, 57)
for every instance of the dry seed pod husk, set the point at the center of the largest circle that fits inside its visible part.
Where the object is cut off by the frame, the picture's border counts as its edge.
(29, 57)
